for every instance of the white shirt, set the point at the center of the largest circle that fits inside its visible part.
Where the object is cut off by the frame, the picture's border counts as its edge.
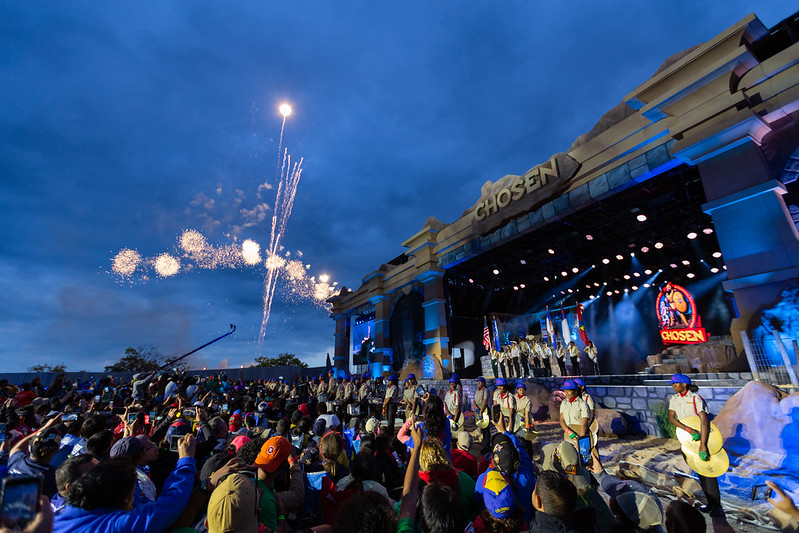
(590, 351)
(574, 351)
(691, 404)
(574, 411)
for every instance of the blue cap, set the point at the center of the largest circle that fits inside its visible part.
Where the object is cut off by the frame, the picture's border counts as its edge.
(453, 379)
(580, 382)
(392, 377)
(481, 378)
(569, 385)
(455, 376)
(521, 385)
(330, 371)
(501, 381)
(411, 376)
(680, 378)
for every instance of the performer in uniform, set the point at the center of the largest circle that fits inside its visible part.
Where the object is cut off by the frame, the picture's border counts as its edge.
(494, 362)
(523, 408)
(515, 355)
(410, 397)
(364, 393)
(391, 401)
(524, 357)
(546, 358)
(481, 396)
(684, 403)
(504, 403)
(453, 401)
(591, 403)
(574, 355)
(560, 353)
(501, 360)
(591, 352)
(574, 414)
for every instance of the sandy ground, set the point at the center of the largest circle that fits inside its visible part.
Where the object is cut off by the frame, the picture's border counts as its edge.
(658, 463)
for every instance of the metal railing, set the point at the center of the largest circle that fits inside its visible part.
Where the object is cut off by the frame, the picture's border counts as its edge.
(766, 370)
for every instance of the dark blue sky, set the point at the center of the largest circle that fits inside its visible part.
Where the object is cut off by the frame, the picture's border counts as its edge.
(116, 118)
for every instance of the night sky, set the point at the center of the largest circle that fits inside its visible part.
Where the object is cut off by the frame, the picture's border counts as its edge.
(125, 123)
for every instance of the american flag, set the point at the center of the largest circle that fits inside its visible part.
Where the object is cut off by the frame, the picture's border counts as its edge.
(486, 335)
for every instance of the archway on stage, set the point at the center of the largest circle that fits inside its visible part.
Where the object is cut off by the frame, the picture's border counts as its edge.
(407, 330)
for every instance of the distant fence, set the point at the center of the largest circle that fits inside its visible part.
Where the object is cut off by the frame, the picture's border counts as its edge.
(288, 373)
(761, 352)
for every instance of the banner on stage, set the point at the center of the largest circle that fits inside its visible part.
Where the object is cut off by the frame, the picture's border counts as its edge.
(680, 322)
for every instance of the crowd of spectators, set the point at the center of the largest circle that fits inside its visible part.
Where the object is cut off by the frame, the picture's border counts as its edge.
(173, 452)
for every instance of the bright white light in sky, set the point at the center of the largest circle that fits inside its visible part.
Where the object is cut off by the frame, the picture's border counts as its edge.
(285, 110)
(166, 265)
(251, 252)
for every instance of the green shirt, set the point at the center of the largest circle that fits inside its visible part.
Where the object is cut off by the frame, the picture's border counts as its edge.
(406, 525)
(268, 505)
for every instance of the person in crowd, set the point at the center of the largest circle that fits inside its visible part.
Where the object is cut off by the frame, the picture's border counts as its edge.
(44, 444)
(141, 451)
(554, 500)
(367, 512)
(682, 517)
(685, 402)
(410, 397)
(502, 513)
(462, 459)
(272, 461)
(434, 424)
(66, 474)
(435, 467)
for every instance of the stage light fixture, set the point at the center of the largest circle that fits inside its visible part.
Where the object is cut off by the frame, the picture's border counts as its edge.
(551, 251)
(606, 261)
(648, 272)
(690, 274)
(570, 291)
(626, 276)
(635, 287)
(616, 291)
(564, 273)
(658, 245)
(515, 287)
(686, 262)
(641, 217)
(575, 270)
(591, 297)
(522, 285)
(724, 267)
(619, 257)
(714, 270)
(610, 293)
(707, 231)
(645, 249)
(626, 290)
(647, 285)
(523, 261)
(471, 280)
(637, 274)
(691, 235)
(605, 284)
(660, 270)
(673, 265)
(596, 284)
(563, 292)
(496, 272)
(546, 278)
(716, 254)
(593, 266)
(632, 254)
(589, 237)
(588, 286)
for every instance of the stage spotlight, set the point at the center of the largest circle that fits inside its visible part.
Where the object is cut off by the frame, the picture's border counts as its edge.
(690, 274)
(471, 280)
(596, 284)
(515, 287)
(564, 273)
(588, 286)
(635, 287)
(546, 278)
(716, 254)
(645, 249)
(610, 293)
(522, 261)
(648, 272)
(707, 231)
(522, 285)
(626, 290)
(626, 276)
(686, 262)
(647, 285)
(714, 270)
(619, 257)
(563, 292)
(673, 265)
(496, 272)
(591, 297)
(641, 217)
(551, 251)
(632, 254)
(724, 267)
(575, 270)
(658, 245)
(605, 284)
(691, 235)
(589, 237)
(606, 261)
(637, 274)
(570, 291)
(660, 270)
(616, 291)
(593, 266)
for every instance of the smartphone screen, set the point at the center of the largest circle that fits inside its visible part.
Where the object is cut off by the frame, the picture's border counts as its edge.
(173, 442)
(20, 501)
(761, 492)
(224, 408)
(97, 399)
(585, 449)
(2, 433)
(70, 416)
(131, 418)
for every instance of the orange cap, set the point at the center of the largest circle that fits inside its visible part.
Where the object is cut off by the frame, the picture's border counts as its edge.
(273, 453)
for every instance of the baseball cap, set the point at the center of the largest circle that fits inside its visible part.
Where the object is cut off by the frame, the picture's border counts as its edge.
(455, 376)
(262, 407)
(180, 427)
(130, 446)
(320, 427)
(231, 506)
(411, 376)
(635, 500)
(521, 385)
(481, 378)
(273, 453)
(569, 384)
(498, 495)
(680, 378)
(464, 441)
(501, 381)
(453, 379)
(579, 382)
(239, 441)
(505, 455)
(565, 459)
(392, 377)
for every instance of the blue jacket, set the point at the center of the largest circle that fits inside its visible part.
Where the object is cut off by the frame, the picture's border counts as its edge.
(523, 482)
(153, 517)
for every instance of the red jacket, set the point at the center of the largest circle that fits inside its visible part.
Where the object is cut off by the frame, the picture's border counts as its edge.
(464, 461)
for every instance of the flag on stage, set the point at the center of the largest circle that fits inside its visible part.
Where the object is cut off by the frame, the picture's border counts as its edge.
(486, 335)
(551, 330)
(496, 334)
(581, 324)
(564, 327)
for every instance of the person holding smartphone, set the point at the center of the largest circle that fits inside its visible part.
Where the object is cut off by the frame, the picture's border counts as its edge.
(43, 446)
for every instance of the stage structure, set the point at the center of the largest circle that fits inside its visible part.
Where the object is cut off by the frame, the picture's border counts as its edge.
(686, 189)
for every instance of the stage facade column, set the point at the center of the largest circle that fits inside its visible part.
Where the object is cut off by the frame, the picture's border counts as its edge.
(342, 345)
(381, 362)
(758, 239)
(436, 337)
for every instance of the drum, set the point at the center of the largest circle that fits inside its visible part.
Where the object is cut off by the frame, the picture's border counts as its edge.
(331, 407)
(483, 420)
(354, 409)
